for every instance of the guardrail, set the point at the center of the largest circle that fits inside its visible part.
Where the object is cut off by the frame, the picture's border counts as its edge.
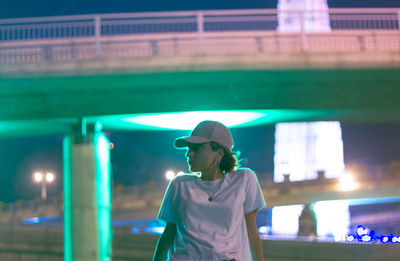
(68, 38)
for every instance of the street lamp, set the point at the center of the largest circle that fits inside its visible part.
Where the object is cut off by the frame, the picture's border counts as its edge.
(169, 175)
(39, 177)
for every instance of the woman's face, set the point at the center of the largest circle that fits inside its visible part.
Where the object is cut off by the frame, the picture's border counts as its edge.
(201, 157)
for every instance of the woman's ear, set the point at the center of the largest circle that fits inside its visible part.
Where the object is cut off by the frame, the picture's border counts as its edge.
(221, 153)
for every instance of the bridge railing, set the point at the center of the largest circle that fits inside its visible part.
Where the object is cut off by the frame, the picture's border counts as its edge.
(77, 37)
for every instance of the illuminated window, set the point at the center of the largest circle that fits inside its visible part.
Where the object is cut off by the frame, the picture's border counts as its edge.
(285, 220)
(333, 218)
(316, 16)
(301, 150)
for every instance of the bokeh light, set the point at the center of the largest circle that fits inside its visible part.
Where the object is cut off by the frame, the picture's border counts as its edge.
(169, 175)
(38, 177)
(347, 182)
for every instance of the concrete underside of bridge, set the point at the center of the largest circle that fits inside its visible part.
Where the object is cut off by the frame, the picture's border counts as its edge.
(51, 104)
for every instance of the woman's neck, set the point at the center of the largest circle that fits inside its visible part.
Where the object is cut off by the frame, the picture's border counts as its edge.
(211, 175)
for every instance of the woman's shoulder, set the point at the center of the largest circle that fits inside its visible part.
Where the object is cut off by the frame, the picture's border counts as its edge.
(241, 173)
(185, 177)
(244, 171)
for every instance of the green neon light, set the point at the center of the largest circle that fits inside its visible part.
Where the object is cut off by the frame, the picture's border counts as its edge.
(68, 246)
(103, 192)
(188, 120)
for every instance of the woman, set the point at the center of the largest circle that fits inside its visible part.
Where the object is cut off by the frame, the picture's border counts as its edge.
(211, 216)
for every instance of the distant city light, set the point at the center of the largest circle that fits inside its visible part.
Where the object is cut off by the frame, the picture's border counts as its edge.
(49, 177)
(169, 175)
(263, 229)
(362, 231)
(38, 177)
(350, 238)
(367, 235)
(42, 179)
(36, 220)
(347, 182)
(366, 238)
(154, 230)
(135, 230)
(33, 220)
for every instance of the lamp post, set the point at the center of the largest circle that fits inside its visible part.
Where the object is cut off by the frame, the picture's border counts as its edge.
(43, 179)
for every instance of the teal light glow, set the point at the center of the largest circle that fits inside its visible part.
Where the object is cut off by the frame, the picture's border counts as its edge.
(103, 192)
(189, 120)
(68, 244)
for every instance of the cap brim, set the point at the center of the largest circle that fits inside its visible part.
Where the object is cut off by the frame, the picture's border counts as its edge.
(184, 142)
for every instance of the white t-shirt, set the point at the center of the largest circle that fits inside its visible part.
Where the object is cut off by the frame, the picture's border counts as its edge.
(216, 229)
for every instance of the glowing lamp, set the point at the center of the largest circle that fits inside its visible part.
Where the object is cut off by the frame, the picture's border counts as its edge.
(169, 175)
(49, 177)
(38, 177)
(347, 182)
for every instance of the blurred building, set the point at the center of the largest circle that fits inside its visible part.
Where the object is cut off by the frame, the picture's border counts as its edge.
(303, 16)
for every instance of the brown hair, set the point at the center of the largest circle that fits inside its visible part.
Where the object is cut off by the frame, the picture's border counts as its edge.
(230, 161)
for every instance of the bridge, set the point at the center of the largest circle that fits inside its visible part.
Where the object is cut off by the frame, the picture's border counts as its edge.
(56, 70)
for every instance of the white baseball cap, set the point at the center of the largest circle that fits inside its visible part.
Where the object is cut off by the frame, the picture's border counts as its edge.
(207, 131)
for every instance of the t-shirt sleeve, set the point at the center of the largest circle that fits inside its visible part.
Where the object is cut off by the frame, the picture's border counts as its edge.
(167, 210)
(254, 198)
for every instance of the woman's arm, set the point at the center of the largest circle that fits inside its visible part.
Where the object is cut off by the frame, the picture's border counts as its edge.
(165, 242)
(254, 237)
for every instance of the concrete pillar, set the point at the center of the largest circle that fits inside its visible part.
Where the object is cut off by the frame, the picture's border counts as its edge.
(87, 196)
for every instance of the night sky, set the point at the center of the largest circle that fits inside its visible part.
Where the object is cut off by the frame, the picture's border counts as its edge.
(12, 9)
(142, 156)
